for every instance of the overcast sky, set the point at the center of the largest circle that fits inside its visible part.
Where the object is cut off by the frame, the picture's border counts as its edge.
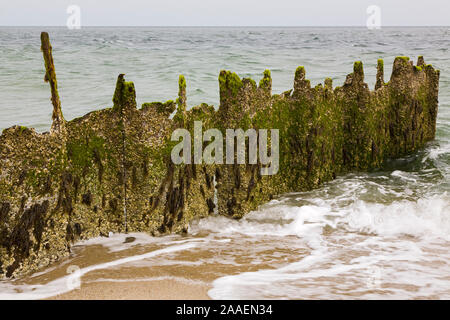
(225, 12)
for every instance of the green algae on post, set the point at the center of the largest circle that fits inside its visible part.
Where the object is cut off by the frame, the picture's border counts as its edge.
(50, 77)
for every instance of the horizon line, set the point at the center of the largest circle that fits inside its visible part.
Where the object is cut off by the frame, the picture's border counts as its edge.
(228, 26)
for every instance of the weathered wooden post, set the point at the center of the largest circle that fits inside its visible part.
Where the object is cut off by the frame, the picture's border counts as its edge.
(58, 124)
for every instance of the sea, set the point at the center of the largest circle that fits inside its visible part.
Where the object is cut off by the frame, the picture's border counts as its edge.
(378, 235)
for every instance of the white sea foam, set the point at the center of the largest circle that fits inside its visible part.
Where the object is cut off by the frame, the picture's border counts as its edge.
(400, 250)
(116, 241)
(424, 217)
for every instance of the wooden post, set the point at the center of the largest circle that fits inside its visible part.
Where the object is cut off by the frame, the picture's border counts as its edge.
(50, 77)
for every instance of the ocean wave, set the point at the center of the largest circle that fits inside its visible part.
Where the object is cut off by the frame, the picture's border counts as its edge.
(364, 250)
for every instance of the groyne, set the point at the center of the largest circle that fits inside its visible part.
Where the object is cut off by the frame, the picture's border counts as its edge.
(111, 170)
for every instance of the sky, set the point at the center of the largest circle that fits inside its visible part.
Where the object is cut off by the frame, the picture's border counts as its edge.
(225, 12)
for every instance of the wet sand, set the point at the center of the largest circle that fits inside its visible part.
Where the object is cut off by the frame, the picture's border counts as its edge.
(140, 280)
(186, 274)
(142, 290)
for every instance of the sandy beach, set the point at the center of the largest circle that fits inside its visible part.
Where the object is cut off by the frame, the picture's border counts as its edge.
(120, 271)
(132, 290)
